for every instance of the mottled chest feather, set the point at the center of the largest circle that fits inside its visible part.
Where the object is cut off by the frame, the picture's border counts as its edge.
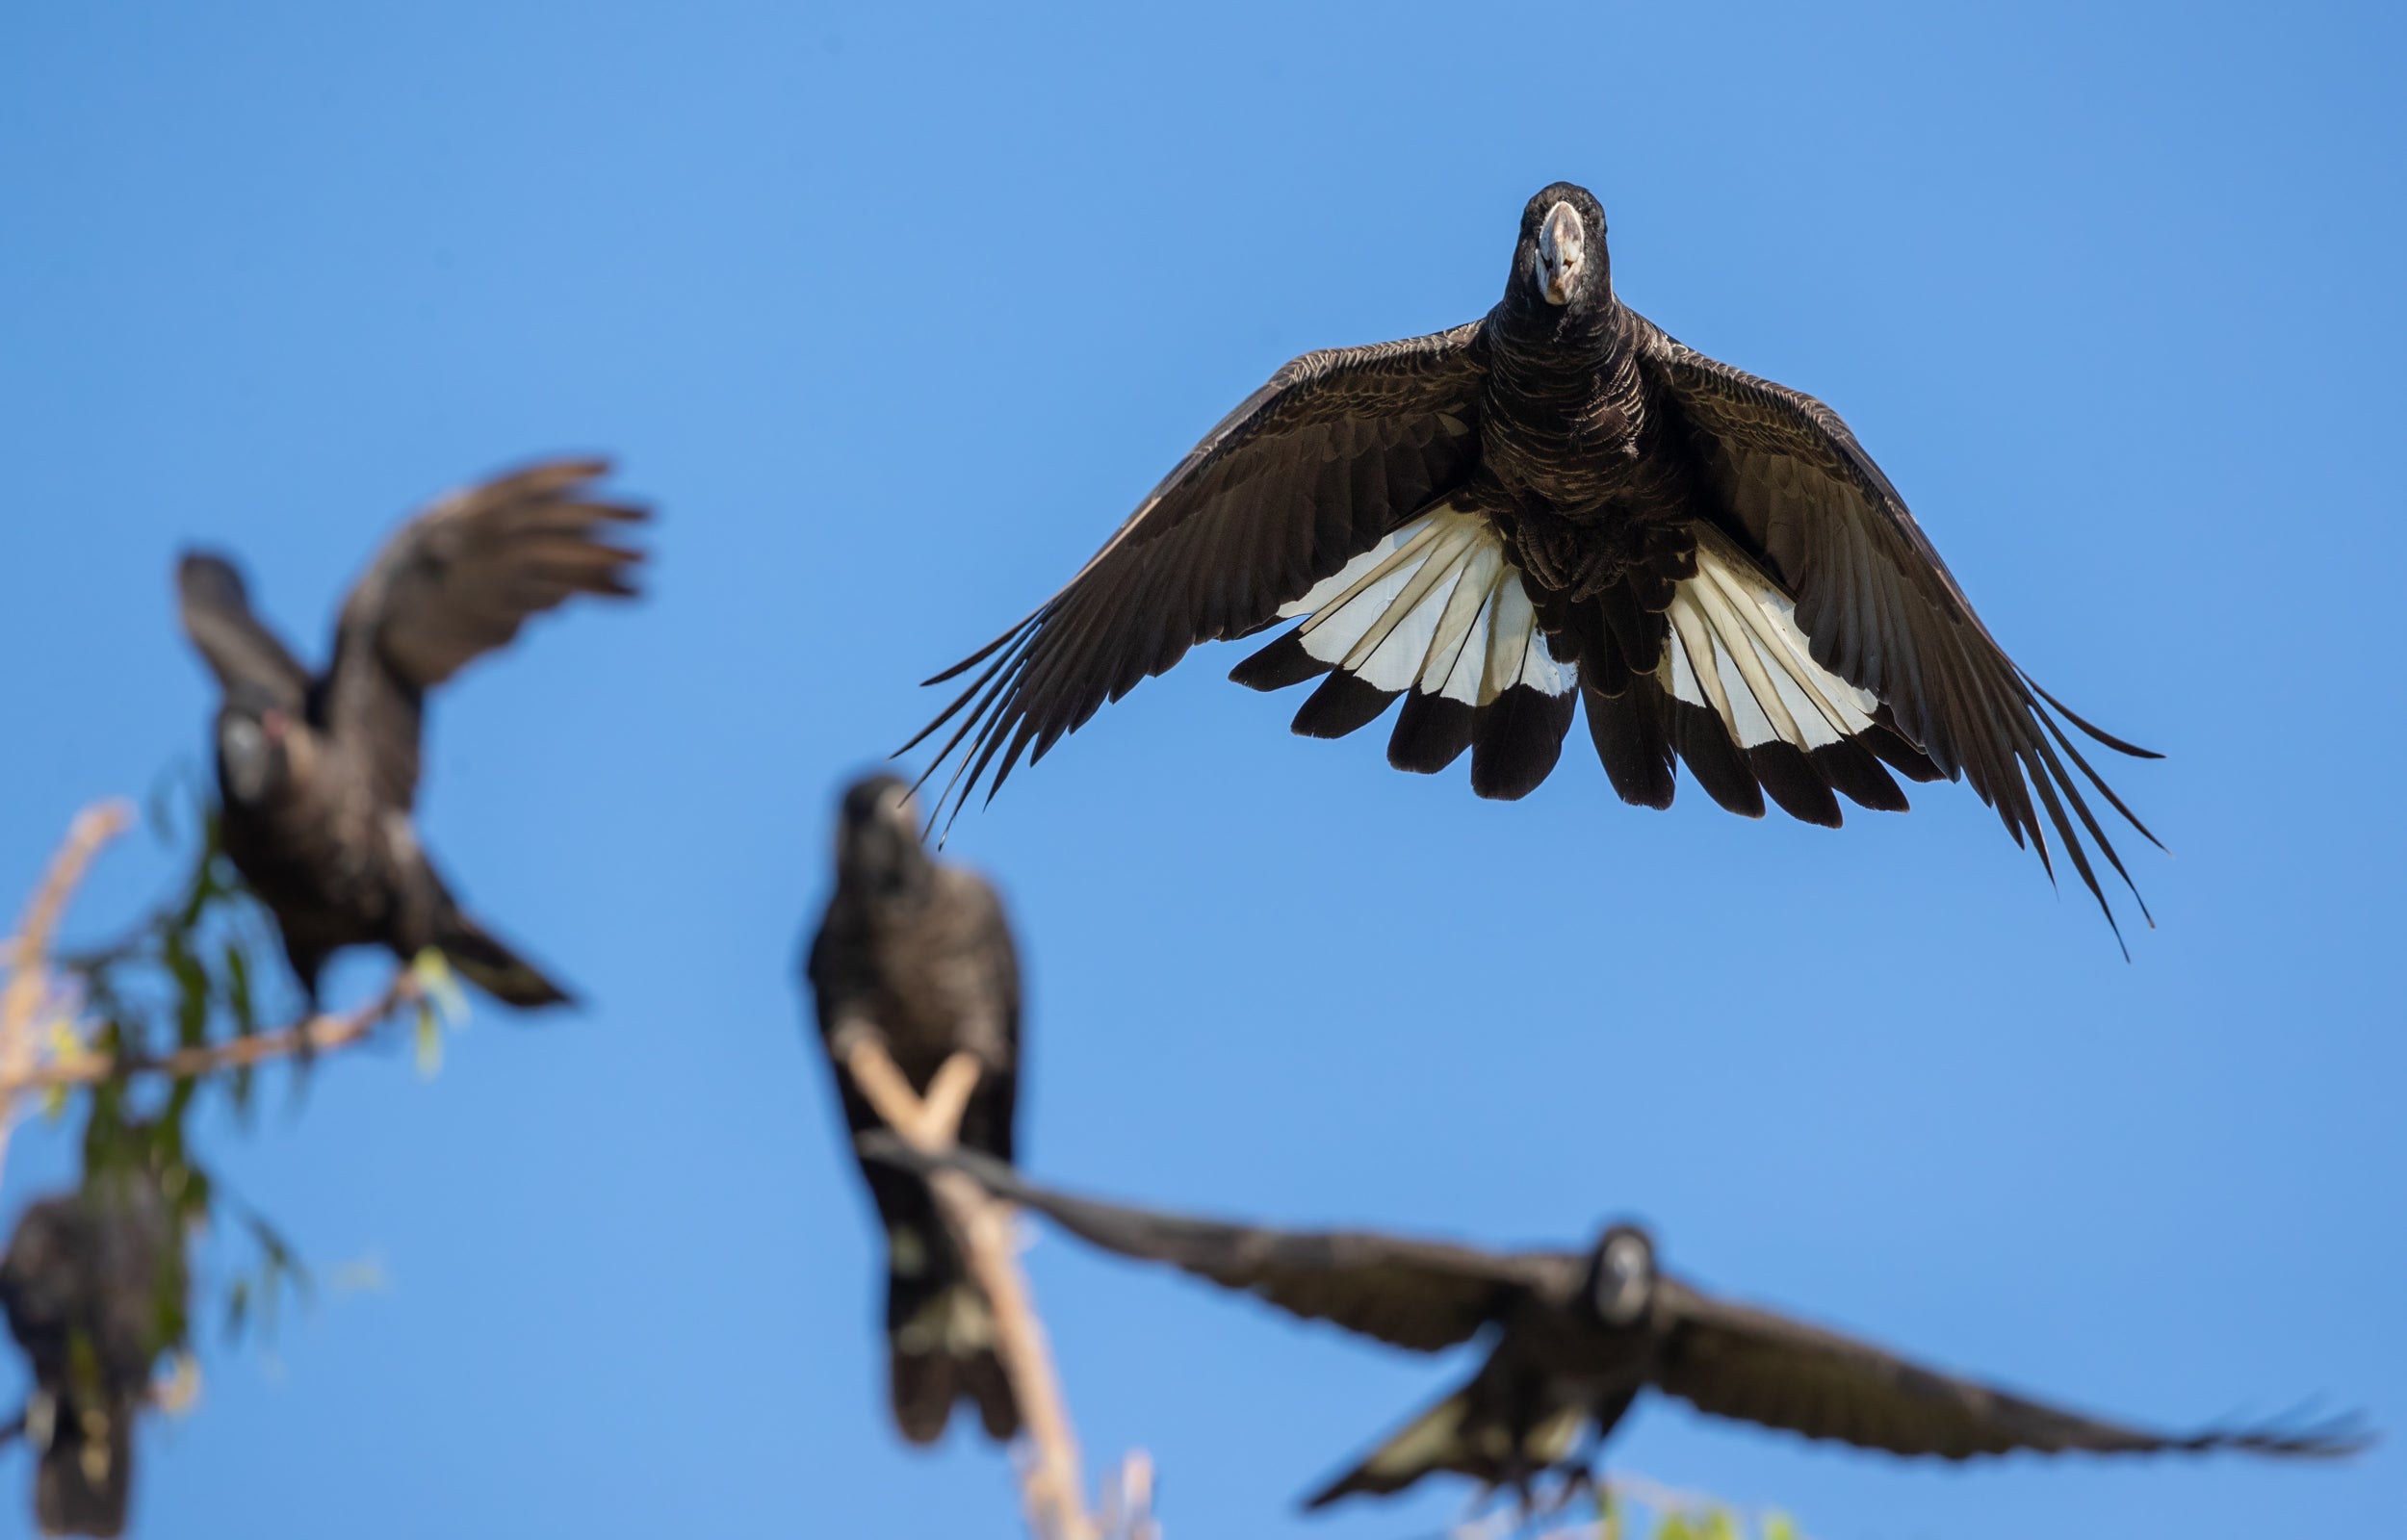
(1569, 426)
(937, 972)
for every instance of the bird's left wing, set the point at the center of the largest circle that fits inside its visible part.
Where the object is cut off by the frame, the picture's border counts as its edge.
(1421, 1295)
(458, 581)
(215, 606)
(1335, 451)
(1879, 609)
(1758, 1367)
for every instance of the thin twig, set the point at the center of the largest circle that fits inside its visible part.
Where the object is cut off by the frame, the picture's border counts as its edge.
(1128, 1500)
(319, 1034)
(949, 1097)
(1049, 1483)
(28, 978)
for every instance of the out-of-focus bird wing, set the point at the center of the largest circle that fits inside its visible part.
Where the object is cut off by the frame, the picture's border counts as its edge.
(993, 962)
(1421, 1295)
(1758, 1367)
(215, 606)
(458, 581)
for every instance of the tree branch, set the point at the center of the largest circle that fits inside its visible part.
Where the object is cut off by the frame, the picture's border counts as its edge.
(1050, 1482)
(319, 1034)
(28, 976)
(22, 1068)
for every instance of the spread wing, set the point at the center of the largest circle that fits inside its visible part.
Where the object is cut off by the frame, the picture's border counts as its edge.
(1335, 451)
(1881, 609)
(1738, 1362)
(458, 581)
(238, 647)
(1421, 1295)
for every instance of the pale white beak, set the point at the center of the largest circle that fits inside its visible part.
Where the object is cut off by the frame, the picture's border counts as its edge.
(1561, 246)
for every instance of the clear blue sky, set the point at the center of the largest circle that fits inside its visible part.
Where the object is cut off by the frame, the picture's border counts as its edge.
(895, 316)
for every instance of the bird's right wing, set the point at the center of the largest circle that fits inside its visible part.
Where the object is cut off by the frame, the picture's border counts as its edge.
(1333, 452)
(1740, 1362)
(455, 582)
(1424, 1296)
(236, 644)
(988, 1123)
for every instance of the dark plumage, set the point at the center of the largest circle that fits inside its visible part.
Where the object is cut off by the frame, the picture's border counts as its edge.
(1577, 1335)
(918, 955)
(91, 1283)
(1557, 505)
(318, 774)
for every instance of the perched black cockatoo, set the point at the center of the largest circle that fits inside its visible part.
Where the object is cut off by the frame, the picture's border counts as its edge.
(1557, 505)
(92, 1284)
(917, 954)
(317, 774)
(1575, 1336)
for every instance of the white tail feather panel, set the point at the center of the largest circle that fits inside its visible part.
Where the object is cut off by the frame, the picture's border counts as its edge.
(1457, 659)
(1397, 650)
(1436, 608)
(1432, 606)
(1431, 1440)
(1759, 675)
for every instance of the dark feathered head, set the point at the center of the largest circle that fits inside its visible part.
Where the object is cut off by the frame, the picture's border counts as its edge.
(101, 1261)
(1621, 1277)
(1559, 262)
(42, 1276)
(877, 838)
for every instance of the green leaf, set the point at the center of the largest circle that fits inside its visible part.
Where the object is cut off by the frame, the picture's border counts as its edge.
(238, 991)
(435, 979)
(429, 1041)
(191, 982)
(238, 1000)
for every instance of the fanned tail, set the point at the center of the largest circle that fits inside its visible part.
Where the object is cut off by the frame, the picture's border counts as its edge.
(1436, 614)
(1457, 1435)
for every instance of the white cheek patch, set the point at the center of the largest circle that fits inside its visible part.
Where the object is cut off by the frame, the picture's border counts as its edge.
(243, 753)
(1734, 646)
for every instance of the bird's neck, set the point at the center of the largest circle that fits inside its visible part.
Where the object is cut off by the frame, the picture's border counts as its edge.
(895, 896)
(1566, 405)
(1561, 356)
